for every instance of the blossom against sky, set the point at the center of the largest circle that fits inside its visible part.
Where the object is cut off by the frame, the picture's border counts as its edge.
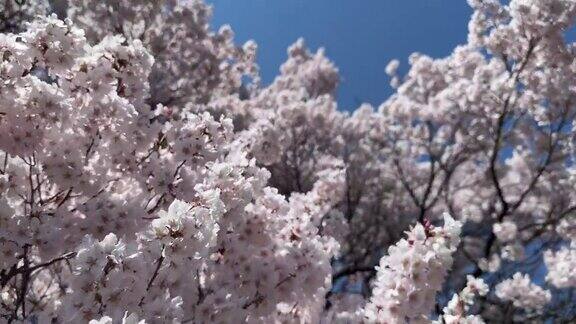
(361, 37)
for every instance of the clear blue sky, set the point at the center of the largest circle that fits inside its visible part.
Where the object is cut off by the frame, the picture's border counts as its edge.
(360, 36)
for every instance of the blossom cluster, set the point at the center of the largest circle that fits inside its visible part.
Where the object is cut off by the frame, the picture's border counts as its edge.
(455, 311)
(412, 273)
(159, 214)
(523, 293)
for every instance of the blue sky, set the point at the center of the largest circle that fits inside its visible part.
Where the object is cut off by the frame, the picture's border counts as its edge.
(360, 36)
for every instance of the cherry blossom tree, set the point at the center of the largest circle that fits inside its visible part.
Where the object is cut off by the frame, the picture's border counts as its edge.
(147, 176)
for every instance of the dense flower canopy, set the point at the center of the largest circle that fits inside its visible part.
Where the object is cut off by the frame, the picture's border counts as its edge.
(147, 176)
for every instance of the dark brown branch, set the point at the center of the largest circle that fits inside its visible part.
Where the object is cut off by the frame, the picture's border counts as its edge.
(159, 262)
